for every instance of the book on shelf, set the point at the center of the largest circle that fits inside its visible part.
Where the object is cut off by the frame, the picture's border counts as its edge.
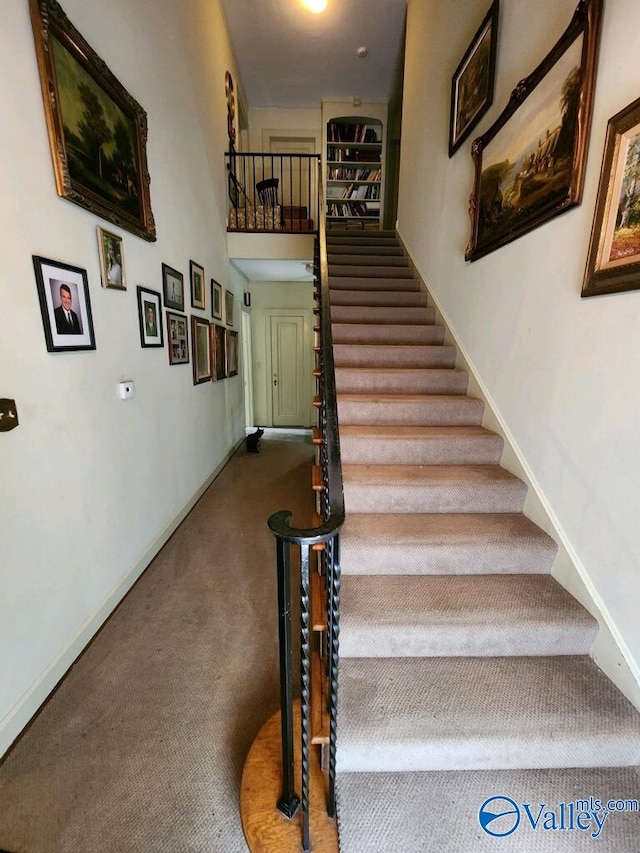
(348, 132)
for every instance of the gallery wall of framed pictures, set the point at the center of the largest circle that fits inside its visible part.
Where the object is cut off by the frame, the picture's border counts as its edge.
(114, 182)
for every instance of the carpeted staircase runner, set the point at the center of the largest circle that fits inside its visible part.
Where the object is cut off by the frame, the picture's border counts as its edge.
(464, 666)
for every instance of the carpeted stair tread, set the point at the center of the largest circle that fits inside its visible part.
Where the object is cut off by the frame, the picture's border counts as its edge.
(348, 249)
(380, 314)
(367, 260)
(398, 812)
(389, 298)
(398, 285)
(413, 380)
(369, 238)
(446, 543)
(419, 445)
(382, 282)
(449, 615)
(408, 409)
(431, 488)
(370, 333)
(452, 713)
(370, 271)
(393, 355)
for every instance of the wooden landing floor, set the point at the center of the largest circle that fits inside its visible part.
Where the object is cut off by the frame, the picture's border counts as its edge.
(265, 829)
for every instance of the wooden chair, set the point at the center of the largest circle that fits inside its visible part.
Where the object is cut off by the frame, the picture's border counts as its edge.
(268, 194)
(268, 191)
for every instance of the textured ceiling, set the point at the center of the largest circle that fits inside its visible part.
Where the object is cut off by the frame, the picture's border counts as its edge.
(289, 57)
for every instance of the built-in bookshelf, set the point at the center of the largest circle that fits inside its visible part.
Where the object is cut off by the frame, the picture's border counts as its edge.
(354, 170)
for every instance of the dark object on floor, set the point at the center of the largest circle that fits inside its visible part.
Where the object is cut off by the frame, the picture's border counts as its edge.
(253, 441)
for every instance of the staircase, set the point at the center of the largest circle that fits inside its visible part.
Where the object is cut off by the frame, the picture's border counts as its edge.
(464, 666)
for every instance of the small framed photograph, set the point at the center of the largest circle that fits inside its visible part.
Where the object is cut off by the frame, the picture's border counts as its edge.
(228, 307)
(150, 318)
(472, 82)
(111, 260)
(201, 347)
(178, 338)
(613, 263)
(216, 300)
(172, 288)
(63, 292)
(232, 352)
(218, 352)
(198, 294)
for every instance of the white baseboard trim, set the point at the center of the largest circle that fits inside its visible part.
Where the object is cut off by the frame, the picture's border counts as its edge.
(285, 430)
(610, 650)
(28, 705)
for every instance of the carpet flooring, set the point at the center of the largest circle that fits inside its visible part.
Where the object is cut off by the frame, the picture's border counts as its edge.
(464, 676)
(141, 747)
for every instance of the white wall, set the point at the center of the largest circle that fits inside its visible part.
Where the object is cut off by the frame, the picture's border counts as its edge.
(305, 123)
(91, 485)
(560, 371)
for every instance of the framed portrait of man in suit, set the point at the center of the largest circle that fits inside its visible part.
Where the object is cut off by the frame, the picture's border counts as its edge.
(150, 317)
(63, 291)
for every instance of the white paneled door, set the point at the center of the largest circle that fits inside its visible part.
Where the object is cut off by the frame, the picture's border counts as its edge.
(290, 367)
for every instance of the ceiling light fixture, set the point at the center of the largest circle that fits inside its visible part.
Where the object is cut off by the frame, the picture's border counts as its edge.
(362, 52)
(315, 6)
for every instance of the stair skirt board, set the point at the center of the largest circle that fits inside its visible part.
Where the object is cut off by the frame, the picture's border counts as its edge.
(464, 666)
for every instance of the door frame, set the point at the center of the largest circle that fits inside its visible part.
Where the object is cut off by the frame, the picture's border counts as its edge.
(247, 367)
(307, 315)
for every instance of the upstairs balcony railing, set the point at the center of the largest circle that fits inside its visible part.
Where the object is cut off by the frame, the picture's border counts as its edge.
(272, 192)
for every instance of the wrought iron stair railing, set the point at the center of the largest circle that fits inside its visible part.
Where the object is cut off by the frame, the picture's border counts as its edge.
(323, 543)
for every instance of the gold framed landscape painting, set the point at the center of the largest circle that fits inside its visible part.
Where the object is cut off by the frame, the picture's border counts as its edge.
(530, 164)
(97, 130)
(472, 81)
(613, 263)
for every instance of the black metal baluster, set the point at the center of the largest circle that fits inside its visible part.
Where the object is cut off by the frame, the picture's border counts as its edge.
(305, 695)
(288, 802)
(333, 606)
